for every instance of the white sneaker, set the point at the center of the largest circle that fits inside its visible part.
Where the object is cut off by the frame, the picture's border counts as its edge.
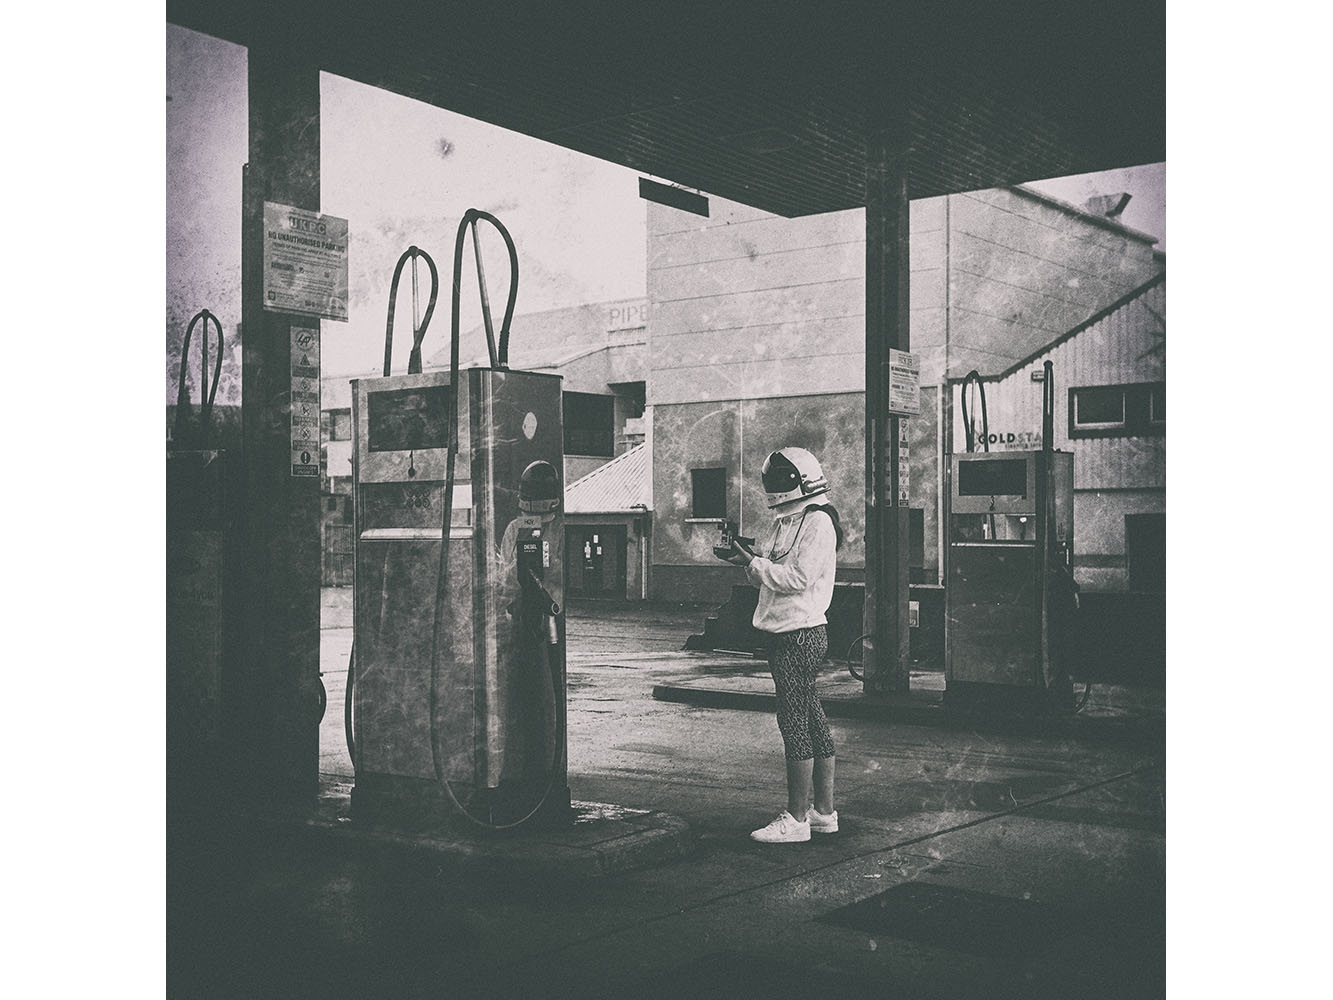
(821, 823)
(786, 829)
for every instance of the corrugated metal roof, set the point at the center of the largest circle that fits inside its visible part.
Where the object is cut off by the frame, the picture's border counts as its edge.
(618, 487)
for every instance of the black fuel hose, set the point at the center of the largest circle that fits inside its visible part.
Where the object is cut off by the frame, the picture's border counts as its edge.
(850, 669)
(975, 376)
(440, 639)
(349, 729)
(1087, 690)
(418, 332)
(205, 394)
(499, 356)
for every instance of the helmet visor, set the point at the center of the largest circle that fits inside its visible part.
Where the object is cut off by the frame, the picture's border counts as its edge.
(779, 475)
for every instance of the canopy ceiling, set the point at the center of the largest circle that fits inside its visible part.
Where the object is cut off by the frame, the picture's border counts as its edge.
(767, 104)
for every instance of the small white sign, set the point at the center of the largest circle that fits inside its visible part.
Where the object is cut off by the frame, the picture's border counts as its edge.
(904, 383)
(305, 262)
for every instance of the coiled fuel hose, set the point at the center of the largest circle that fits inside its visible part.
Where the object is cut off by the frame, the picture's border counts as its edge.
(440, 641)
(969, 433)
(206, 394)
(974, 376)
(418, 326)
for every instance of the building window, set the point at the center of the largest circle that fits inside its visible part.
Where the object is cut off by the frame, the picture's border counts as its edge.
(1117, 410)
(710, 493)
(589, 424)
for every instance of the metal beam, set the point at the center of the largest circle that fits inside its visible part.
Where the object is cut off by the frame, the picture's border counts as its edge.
(276, 731)
(885, 653)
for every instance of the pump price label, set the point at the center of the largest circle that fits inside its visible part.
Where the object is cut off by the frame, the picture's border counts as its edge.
(305, 401)
(305, 262)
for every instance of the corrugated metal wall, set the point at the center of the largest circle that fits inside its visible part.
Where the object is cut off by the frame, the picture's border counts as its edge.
(1113, 476)
(1126, 346)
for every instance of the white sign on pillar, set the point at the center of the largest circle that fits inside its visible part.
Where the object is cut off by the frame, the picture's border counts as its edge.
(305, 262)
(904, 383)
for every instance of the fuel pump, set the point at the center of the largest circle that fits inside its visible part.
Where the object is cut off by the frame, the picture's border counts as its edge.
(200, 515)
(420, 323)
(1009, 589)
(459, 698)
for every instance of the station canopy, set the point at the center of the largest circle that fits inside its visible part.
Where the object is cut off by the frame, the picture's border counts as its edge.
(764, 104)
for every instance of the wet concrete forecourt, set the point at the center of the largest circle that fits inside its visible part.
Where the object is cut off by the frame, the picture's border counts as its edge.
(975, 857)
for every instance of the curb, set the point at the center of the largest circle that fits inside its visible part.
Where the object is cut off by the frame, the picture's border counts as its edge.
(930, 710)
(916, 713)
(602, 840)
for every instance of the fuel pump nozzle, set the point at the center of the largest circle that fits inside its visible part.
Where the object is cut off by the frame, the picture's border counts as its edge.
(540, 494)
(550, 607)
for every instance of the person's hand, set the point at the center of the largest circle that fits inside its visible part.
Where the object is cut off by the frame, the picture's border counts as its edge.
(740, 556)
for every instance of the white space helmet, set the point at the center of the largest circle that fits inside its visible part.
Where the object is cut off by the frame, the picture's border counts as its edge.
(791, 474)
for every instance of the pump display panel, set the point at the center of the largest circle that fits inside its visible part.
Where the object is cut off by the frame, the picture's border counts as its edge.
(408, 419)
(994, 483)
(400, 429)
(992, 478)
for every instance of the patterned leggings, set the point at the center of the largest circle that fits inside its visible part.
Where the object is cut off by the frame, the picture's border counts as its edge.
(794, 659)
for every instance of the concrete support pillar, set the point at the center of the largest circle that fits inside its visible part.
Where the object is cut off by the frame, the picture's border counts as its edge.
(885, 653)
(277, 693)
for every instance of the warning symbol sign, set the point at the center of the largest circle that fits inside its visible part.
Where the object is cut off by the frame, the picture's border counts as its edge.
(305, 401)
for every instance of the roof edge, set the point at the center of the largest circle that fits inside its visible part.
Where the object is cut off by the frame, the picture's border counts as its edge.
(1083, 213)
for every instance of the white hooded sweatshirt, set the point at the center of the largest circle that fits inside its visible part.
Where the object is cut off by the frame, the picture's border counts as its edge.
(794, 570)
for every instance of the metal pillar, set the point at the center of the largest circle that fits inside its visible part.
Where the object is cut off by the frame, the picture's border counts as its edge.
(278, 691)
(885, 653)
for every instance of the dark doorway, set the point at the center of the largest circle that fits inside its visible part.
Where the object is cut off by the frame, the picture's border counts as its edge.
(595, 556)
(1145, 551)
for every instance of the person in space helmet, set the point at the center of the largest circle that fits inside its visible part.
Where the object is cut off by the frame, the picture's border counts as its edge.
(791, 474)
(795, 574)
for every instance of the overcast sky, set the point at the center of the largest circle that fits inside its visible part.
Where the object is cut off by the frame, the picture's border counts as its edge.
(403, 173)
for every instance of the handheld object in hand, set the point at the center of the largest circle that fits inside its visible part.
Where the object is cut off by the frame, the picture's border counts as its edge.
(728, 541)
